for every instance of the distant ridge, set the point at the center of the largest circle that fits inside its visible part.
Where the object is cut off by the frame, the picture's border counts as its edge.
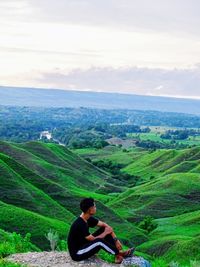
(21, 96)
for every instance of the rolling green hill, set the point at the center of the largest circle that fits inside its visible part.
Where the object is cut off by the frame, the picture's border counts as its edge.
(161, 162)
(167, 196)
(168, 190)
(14, 219)
(177, 238)
(43, 184)
(170, 185)
(113, 153)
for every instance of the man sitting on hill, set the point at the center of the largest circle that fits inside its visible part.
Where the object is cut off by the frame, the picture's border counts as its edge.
(82, 244)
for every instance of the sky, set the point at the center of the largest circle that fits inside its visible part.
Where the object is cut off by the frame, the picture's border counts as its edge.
(146, 47)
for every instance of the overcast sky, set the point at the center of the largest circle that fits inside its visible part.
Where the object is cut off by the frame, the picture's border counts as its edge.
(149, 47)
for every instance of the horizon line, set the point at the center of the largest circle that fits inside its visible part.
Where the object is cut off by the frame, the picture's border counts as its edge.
(100, 91)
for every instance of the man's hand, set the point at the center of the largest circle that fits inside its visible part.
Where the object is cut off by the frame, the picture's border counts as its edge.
(118, 244)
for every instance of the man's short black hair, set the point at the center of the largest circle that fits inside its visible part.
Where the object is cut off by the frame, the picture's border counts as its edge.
(86, 203)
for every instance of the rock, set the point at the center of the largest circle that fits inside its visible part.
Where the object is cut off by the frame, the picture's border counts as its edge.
(136, 261)
(62, 259)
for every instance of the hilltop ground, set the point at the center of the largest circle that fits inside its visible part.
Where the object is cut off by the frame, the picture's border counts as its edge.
(62, 259)
(55, 259)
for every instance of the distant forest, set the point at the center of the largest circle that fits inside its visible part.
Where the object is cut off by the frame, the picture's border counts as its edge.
(93, 126)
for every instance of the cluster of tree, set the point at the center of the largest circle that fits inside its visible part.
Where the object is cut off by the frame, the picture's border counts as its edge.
(115, 170)
(76, 137)
(95, 143)
(180, 134)
(120, 130)
(152, 145)
(80, 127)
(108, 165)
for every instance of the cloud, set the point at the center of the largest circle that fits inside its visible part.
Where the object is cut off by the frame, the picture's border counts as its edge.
(11, 10)
(42, 41)
(175, 16)
(145, 81)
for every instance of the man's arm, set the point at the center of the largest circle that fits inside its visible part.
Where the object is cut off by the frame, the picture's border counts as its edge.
(103, 224)
(117, 242)
(108, 230)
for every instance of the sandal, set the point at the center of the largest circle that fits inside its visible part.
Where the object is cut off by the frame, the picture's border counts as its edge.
(128, 253)
(118, 259)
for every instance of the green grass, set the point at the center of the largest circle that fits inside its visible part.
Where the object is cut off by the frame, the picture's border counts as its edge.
(19, 220)
(155, 135)
(19, 192)
(169, 185)
(48, 180)
(4, 263)
(42, 184)
(160, 162)
(149, 136)
(115, 154)
(162, 197)
(187, 225)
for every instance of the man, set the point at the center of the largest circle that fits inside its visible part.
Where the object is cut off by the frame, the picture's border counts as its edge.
(82, 244)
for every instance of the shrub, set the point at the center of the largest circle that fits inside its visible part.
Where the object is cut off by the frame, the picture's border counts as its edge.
(15, 243)
(53, 238)
(4, 263)
(62, 245)
(148, 224)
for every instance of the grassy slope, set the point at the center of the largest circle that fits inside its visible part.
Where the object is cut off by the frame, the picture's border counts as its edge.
(14, 219)
(172, 196)
(171, 186)
(163, 197)
(178, 238)
(50, 180)
(113, 153)
(39, 158)
(163, 162)
(17, 191)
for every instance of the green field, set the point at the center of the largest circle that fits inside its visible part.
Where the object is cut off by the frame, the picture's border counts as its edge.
(155, 136)
(168, 191)
(41, 187)
(42, 184)
(113, 153)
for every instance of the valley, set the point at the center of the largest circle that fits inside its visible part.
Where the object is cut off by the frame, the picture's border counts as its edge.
(42, 184)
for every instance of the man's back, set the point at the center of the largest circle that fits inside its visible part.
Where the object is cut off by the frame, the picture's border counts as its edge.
(78, 231)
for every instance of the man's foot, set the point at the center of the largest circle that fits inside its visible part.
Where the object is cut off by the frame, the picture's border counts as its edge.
(127, 253)
(118, 259)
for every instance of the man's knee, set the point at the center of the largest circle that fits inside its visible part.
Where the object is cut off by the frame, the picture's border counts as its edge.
(98, 239)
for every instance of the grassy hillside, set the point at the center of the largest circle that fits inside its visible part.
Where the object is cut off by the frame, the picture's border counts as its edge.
(169, 191)
(17, 191)
(177, 238)
(46, 182)
(115, 154)
(167, 196)
(19, 220)
(162, 162)
(42, 184)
